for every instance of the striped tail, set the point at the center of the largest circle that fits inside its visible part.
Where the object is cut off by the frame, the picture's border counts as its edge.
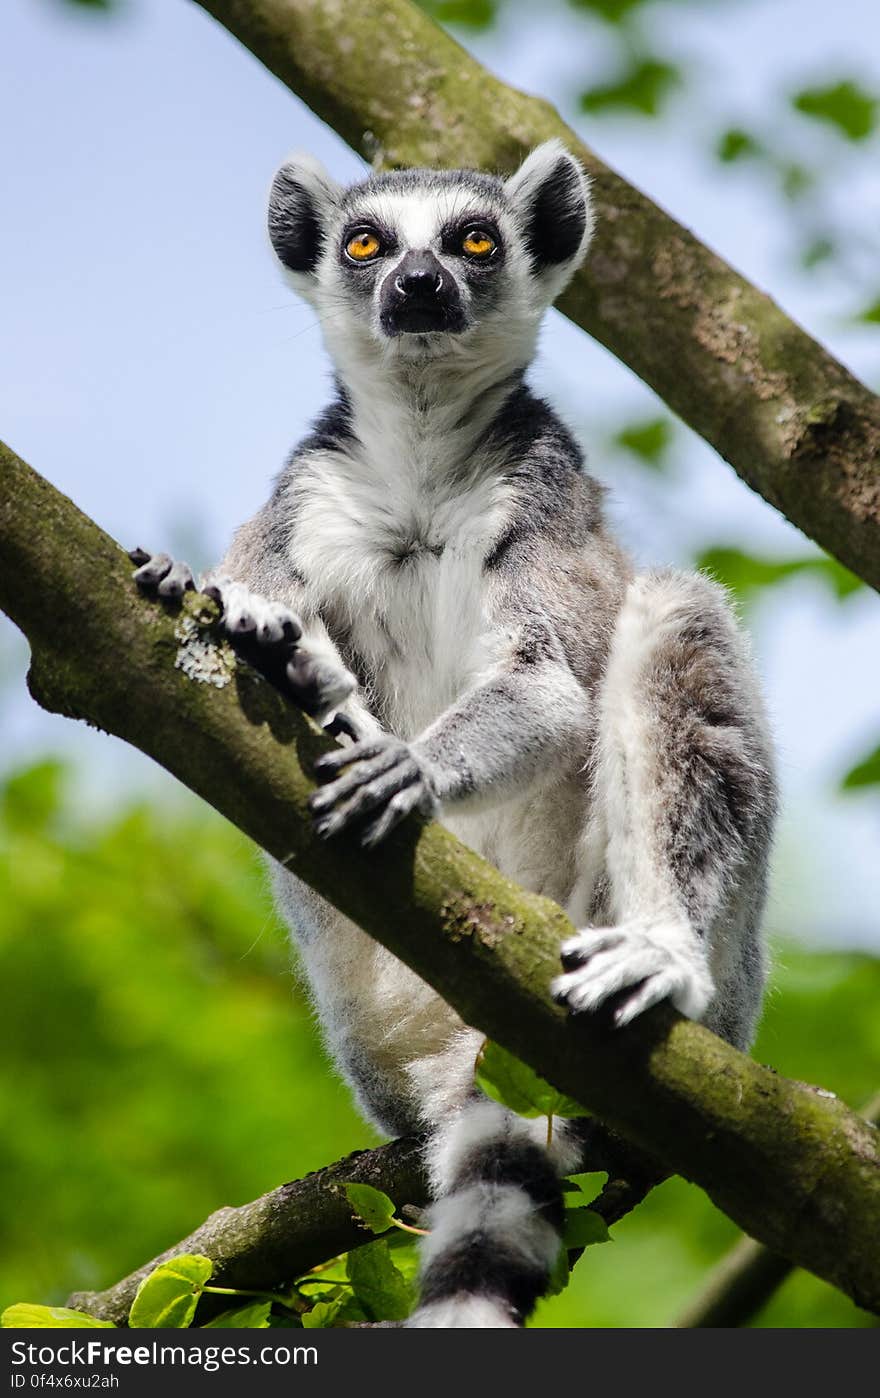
(495, 1226)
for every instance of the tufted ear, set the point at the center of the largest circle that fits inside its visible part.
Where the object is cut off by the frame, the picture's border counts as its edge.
(301, 202)
(550, 194)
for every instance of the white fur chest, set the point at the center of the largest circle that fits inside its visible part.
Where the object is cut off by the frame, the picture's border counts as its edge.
(392, 549)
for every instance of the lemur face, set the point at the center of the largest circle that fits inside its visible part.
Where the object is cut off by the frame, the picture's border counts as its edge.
(416, 260)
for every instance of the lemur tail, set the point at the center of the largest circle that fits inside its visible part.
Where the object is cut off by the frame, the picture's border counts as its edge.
(495, 1228)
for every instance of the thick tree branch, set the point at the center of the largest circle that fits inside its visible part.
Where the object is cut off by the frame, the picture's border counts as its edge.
(266, 1244)
(789, 418)
(744, 1280)
(794, 1167)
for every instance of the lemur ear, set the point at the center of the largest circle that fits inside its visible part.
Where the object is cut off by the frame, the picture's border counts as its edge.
(550, 193)
(301, 203)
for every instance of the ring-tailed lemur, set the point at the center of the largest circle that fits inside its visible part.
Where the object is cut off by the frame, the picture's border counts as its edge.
(434, 569)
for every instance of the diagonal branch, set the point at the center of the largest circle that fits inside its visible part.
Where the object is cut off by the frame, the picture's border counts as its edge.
(745, 1278)
(266, 1244)
(792, 1166)
(790, 419)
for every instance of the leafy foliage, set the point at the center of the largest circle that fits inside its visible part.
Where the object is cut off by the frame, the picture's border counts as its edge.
(372, 1207)
(167, 1298)
(736, 144)
(611, 10)
(865, 773)
(254, 1316)
(150, 1027)
(470, 14)
(745, 574)
(648, 439)
(26, 1317)
(379, 1286)
(507, 1080)
(643, 87)
(844, 105)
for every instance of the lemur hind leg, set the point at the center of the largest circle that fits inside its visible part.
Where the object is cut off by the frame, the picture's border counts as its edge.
(683, 807)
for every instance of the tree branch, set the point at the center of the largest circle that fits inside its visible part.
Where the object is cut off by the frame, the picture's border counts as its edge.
(790, 419)
(741, 1284)
(794, 1167)
(266, 1244)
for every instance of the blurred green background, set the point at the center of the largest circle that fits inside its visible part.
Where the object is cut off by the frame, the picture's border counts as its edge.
(157, 1061)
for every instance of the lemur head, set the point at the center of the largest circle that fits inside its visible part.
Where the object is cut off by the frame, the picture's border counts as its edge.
(421, 264)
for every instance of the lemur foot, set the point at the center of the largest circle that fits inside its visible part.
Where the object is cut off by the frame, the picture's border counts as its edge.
(640, 963)
(383, 782)
(266, 634)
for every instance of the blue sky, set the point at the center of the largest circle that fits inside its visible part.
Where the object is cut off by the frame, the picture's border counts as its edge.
(155, 368)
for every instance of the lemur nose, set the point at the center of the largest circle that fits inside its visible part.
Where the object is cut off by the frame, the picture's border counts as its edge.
(419, 275)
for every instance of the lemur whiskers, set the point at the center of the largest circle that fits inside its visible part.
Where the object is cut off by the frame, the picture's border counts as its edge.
(433, 569)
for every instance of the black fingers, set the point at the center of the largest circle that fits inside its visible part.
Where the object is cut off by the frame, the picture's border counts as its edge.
(159, 571)
(574, 958)
(381, 780)
(412, 798)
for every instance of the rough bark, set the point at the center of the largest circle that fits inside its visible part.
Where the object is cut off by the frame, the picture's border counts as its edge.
(266, 1244)
(790, 419)
(745, 1278)
(794, 1167)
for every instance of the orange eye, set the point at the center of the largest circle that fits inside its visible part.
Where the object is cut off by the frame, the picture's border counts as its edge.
(478, 243)
(362, 246)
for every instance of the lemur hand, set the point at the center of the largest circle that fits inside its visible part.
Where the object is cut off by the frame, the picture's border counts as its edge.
(639, 963)
(266, 634)
(382, 783)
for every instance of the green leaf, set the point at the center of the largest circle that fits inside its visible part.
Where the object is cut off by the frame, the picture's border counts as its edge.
(736, 144)
(470, 14)
(819, 250)
(507, 1080)
(612, 11)
(370, 1205)
(251, 1317)
(745, 574)
(649, 440)
(167, 1298)
(870, 315)
(865, 773)
(588, 1184)
(27, 1317)
(324, 1313)
(33, 797)
(404, 1249)
(380, 1287)
(560, 1274)
(795, 179)
(845, 105)
(643, 88)
(583, 1227)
